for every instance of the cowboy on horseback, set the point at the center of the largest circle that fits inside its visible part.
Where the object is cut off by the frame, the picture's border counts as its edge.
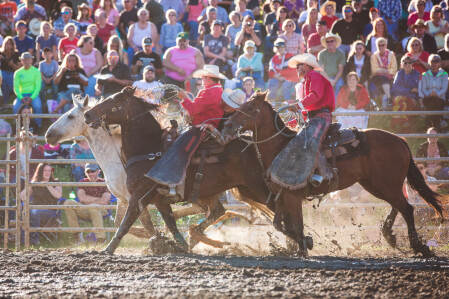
(294, 167)
(206, 112)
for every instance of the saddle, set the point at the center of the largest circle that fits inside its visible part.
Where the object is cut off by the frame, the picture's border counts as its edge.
(341, 143)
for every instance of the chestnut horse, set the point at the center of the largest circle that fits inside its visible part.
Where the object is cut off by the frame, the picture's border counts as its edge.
(141, 135)
(381, 171)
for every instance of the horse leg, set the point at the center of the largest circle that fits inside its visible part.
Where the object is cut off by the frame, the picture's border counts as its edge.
(132, 212)
(293, 221)
(215, 211)
(146, 232)
(400, 203)
(167, 214)
(386, 228)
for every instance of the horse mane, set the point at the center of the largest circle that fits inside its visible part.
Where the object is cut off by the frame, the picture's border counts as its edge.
(278, 121)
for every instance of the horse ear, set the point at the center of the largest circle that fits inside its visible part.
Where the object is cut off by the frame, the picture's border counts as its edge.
(86, 101)
(129, 90)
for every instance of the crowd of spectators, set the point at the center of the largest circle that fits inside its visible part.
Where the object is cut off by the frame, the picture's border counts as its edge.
(383, 54)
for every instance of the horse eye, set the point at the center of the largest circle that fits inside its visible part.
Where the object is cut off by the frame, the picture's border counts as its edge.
(70, 116)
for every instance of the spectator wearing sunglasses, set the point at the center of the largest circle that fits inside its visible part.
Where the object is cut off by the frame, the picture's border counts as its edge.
(347, 29)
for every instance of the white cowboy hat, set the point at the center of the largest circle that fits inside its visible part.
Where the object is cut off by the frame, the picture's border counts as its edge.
(35, 26)
(305, 58)
(323, 7)
(328, 36)
(209, 70)
(233, 98)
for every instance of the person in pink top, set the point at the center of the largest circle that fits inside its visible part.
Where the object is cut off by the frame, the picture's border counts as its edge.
(194, 9)
(181, 61)
(91, 61)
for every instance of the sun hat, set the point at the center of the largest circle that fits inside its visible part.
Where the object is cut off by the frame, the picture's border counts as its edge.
(91, 167)
(328, 36)
(305, 58)
(209, 70)
(35, 26)
(233, 98)
(323, 7)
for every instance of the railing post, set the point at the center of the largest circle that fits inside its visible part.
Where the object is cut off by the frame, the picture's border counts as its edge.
(6, 235)
(18, 185)
(26, 210)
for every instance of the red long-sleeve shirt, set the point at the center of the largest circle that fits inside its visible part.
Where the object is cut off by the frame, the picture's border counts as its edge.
(361, 94)
(317, 92)
(207, 106)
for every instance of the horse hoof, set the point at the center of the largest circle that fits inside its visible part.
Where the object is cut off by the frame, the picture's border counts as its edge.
(308, 242)
(107, 251)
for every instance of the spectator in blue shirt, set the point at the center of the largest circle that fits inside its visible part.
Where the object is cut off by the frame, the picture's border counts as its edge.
(406, 80)
(23, 42)
(222, 14)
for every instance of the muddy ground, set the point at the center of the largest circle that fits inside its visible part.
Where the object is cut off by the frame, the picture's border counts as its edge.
(90, 274)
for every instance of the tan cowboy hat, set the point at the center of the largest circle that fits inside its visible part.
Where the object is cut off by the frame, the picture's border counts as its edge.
(323, 7)
(305, 58)
(209, 70)
(84, 5)
(328, 36)
(420, 22)
(233, 98)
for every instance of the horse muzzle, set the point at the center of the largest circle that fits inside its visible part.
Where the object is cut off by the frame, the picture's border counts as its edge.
(93, 123)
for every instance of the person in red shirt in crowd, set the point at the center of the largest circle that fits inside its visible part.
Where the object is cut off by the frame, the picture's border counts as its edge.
(69, 42)
(89, 196)
(282, 78)
(353, 96)
(416, 52)
(418, 14)
(314, 45)
(105, 30)
(327, 11)
(315, 99)
(7, 11)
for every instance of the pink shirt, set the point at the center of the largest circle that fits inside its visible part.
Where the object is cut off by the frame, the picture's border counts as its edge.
(184, 59)
(89, 61)
(195, 11)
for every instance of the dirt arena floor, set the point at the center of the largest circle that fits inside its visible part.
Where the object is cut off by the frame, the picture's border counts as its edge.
(60, 274)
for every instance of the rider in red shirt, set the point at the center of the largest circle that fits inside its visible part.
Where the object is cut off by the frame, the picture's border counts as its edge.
(207, 106)
(315, 98)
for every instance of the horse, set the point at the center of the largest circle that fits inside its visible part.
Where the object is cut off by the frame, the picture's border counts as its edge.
(141, 138)
(381, 171)
(106, 150)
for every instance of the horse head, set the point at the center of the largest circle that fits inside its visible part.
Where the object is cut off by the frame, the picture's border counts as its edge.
(70, 124)
(248, 117)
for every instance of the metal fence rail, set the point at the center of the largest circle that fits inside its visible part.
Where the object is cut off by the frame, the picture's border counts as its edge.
(22, 207)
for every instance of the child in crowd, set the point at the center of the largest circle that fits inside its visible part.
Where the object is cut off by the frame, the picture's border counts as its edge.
(48, 68)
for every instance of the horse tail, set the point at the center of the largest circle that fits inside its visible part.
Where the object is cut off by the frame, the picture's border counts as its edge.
(418, 183)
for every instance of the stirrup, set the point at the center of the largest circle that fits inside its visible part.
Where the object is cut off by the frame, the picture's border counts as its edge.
(316, 180)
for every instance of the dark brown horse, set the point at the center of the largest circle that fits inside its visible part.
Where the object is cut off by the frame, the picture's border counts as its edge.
(381, 171)
(141, 135)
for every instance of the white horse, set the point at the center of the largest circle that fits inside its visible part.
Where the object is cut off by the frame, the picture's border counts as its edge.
(106, 150)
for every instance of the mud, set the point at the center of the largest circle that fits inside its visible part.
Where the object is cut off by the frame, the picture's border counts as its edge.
(91, 274)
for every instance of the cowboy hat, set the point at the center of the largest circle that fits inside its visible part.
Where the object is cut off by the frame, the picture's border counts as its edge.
(323, 7)
(419, 22)
(209, 70)
(85, 6)
(305, 58)
(233, 98)
(328, 36)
